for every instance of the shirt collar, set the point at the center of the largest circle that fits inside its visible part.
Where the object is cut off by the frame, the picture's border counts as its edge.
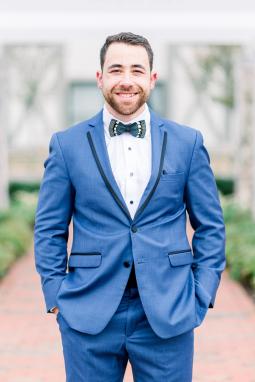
(107, 116)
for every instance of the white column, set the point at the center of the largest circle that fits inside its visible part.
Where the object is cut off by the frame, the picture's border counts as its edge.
(4, 195)
(245, 150)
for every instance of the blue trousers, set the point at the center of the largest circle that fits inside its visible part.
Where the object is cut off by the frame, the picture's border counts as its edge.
(128, 336)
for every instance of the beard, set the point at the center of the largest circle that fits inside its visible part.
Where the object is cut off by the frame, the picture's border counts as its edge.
(126, 106)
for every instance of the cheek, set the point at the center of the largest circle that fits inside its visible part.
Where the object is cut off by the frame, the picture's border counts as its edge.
(109, 84)
(145, 85)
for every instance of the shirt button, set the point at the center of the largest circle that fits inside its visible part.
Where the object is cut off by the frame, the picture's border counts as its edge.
(129, 148)
(131, 202)
(134, 228)
(131, 174)
(126, 264)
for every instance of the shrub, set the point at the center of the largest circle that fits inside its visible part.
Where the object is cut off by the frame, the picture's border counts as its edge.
(225, 185)
(16, 229)
(240, 244)
(15, 186)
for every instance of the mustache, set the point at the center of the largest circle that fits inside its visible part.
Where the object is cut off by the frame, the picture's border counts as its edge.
(126, 89)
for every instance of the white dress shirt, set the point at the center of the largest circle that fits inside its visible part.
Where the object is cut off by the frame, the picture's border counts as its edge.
(130, 159)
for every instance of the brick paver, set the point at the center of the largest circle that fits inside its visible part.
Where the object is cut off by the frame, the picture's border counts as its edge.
(30, 344)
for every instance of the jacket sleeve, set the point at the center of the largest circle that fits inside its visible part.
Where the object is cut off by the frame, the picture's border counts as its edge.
(53, 215)
(206, 218)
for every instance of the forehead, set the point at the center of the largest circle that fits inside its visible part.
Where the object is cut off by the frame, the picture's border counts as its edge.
(126, 55)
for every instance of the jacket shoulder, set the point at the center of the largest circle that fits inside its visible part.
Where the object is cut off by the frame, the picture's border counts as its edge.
(181, 132)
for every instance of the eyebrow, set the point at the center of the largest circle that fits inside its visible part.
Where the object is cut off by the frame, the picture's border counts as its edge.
(120, 66)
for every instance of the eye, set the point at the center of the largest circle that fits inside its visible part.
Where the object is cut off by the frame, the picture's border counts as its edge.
(115, 71)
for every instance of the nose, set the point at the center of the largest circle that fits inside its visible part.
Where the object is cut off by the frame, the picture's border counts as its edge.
(126, 79)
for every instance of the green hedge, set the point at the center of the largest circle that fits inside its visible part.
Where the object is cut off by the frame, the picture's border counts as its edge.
(16, 227)
(17, 186)
(240, 244)
(226, 186)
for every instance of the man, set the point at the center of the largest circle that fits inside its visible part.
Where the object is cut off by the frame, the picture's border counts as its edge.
(135, 289)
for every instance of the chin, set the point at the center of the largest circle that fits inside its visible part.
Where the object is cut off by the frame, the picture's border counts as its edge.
(128, 109)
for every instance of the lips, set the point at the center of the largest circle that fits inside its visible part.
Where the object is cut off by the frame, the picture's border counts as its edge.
(126, 95)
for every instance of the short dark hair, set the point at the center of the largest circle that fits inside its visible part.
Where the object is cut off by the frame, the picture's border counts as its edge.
(129, 39)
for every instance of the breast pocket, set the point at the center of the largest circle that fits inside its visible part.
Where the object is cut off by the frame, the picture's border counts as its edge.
(171, 176)
(169, 192)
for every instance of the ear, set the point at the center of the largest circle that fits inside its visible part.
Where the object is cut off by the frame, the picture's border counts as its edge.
(154, 77)
(99, 77)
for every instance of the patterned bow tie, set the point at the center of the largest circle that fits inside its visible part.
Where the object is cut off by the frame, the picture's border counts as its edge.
(137, 129)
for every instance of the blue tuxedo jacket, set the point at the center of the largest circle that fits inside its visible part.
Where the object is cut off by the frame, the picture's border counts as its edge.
(176, 283)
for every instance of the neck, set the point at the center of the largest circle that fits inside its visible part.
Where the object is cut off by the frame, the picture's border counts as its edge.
(123, 117)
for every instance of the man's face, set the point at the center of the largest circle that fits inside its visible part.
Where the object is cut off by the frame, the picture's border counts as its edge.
(126, 80)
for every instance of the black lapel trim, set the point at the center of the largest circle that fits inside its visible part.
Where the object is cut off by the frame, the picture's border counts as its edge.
(107, 183)
(140, 210)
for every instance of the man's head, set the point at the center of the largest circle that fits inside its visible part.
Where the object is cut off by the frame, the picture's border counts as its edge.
(126, 77)
(129, 39)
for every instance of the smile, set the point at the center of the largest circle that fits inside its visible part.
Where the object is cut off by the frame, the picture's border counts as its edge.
(126, 95)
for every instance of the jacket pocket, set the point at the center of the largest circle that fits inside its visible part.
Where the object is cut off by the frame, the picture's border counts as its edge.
(172, 176)
(85, 260)
(181, 257)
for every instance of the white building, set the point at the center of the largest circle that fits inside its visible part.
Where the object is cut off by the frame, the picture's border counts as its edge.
(49, 54)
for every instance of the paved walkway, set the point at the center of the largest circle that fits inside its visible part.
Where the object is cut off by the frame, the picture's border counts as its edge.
(30, 345)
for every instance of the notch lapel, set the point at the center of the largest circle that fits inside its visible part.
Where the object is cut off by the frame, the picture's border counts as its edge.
(158, 144)
(98, 146)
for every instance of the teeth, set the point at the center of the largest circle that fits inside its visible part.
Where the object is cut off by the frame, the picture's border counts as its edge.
(127, 95)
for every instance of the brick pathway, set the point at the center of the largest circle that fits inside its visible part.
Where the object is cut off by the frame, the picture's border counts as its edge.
(30, 345)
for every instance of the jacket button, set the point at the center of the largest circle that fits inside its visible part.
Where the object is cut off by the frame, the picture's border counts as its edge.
(134, 229)
(126, 264)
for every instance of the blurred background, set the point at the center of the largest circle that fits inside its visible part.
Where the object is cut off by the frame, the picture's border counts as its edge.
(49, 54)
